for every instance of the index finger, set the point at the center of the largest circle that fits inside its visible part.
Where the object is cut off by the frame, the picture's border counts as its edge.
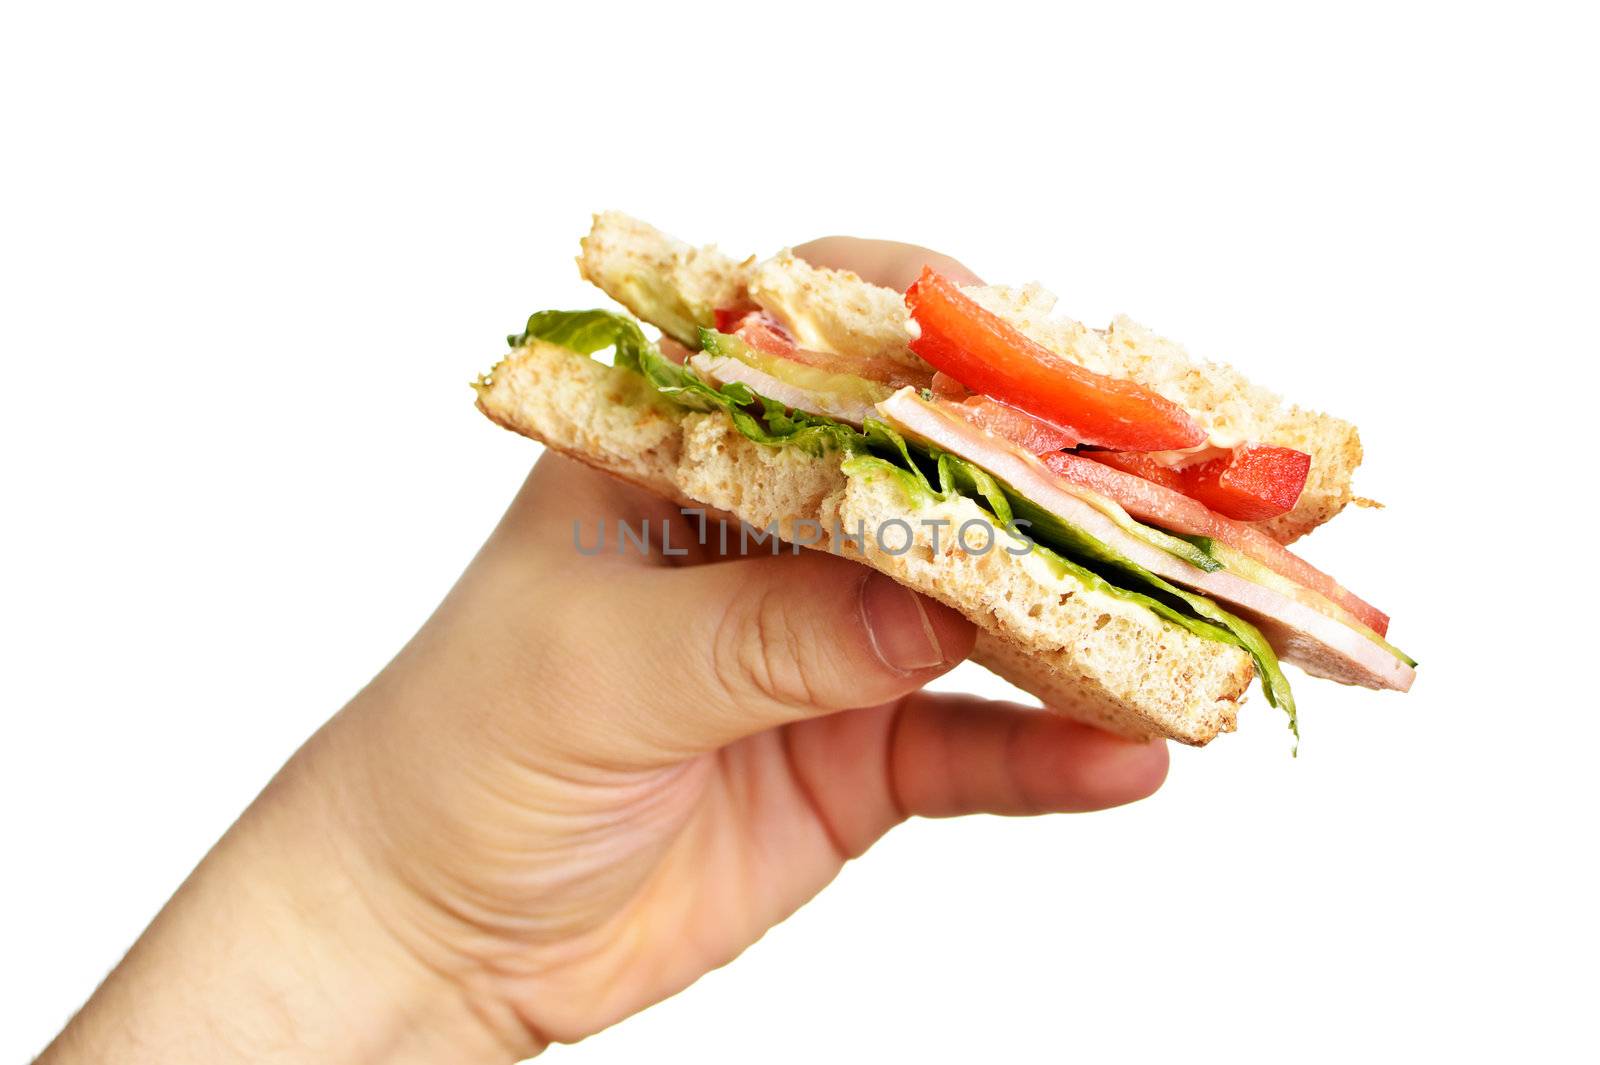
(890, 263)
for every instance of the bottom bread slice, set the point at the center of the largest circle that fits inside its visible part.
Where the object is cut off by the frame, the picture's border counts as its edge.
(1082, 652)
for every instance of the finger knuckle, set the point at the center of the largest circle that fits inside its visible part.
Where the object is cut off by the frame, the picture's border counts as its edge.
(758, 656)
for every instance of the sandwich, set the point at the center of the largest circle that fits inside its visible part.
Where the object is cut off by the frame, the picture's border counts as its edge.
(1112, 515)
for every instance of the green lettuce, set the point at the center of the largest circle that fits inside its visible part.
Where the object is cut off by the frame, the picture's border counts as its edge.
(586, 332)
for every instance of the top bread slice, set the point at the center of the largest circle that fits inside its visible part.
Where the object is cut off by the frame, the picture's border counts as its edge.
(677, 288)
(1087, 654)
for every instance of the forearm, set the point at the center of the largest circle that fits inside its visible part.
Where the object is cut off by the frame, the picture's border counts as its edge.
(273, 951)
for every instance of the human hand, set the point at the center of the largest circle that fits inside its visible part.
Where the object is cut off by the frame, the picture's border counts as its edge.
(585, 782)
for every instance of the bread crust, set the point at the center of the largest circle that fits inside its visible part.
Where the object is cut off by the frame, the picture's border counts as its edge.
(1085, 654)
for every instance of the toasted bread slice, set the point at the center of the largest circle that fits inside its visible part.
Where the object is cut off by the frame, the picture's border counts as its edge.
(834, 310)
(1089, 655)
(664, 281)
(671, 285)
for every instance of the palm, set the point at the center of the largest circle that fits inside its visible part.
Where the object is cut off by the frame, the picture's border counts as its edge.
(719, 850)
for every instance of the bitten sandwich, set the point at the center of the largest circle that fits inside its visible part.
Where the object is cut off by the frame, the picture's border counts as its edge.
(1111, 514)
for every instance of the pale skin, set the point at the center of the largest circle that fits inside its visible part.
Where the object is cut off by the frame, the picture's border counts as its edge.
(585, 782)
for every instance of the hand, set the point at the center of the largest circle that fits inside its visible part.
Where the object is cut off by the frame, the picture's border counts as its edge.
(585, 782)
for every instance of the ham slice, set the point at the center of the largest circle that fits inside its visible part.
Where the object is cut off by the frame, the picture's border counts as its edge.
(722, 369)
(1159, 505)
(1298, 633)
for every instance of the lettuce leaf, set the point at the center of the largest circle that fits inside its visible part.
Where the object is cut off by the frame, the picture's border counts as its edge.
(585, 332)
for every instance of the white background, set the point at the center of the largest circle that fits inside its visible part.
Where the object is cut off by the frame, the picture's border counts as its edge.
(252, 259)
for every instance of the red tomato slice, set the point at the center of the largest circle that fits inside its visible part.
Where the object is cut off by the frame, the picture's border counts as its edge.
(1159, 505)
(988, 355)
(764, 334)
(1018, 426)
(1140, 466)
(1252, 482)
(727, 319)
(1255, 483)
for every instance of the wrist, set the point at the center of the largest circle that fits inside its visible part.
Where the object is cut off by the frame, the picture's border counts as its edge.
(281, 946)
(419, 1001)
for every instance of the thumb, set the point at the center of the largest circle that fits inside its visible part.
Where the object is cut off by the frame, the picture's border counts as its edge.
(732, 648)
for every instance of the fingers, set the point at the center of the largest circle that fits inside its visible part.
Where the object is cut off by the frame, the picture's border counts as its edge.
(882, 262)
(726, 650)
(954, 755)
(938, 755)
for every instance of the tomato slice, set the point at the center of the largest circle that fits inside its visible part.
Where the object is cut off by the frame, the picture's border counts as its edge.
(1152, 502)
(1018, 426)
(728, 319)
(1140, 466)
(989, 355)
(1252, 482)
(761, 332)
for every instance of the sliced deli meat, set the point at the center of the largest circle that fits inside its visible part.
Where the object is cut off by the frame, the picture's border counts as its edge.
(721, 369)
(1318, 643)
(766, 334)
(1160, 505)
